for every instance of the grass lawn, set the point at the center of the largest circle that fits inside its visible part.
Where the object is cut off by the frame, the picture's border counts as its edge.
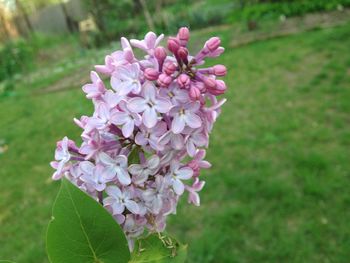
(279, 187)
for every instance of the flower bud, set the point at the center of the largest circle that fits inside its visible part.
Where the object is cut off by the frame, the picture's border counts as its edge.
(213, 43)
(183, 35)
(183, 54)
(169, 68)
(183, 80)
(219, 70)
(151, 74)
(200, 85)
(164, 80)
(219, 89)
(194, 93)
(173, 44)
(160, 53)
(209, 82)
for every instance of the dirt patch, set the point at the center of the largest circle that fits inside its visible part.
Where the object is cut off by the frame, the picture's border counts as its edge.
(74, 80)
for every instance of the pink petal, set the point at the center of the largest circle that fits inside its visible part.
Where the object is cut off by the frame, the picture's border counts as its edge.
(164, 139)
(135, 169)
(150, 39)
(178, 187)
(163, 105)
(138, 43)
(108, 172)
(113, 191)
(149, 91)
(137, 105)
(178, 124)
(149, 117)
(140, 139)
(87, 167)
(184, 173)
(194, 198)
(119, 118)
(132, 206)
(118, 208)
(128, 128)
(192, 120)
(177, 141)
(123, 177)
(153, 162)
(122, 160)
(105, 158)
(191, 148)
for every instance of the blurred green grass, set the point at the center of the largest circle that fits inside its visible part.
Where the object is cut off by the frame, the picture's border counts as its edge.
(279, 187)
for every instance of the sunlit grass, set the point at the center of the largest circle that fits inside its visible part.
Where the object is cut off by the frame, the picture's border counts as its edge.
(279, 187)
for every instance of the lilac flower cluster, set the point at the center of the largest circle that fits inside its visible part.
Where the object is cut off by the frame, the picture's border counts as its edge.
(143, 147)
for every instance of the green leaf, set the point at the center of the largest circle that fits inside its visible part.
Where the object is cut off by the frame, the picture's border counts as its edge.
(81, 230)
(158, 249)
(134, 155)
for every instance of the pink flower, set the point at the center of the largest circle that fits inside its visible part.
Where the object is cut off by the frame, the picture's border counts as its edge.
(198, 162)
(117, 58)
(127, 119)
(193, 190)
(177, 174)
(195, 139)
(119, 200)
(115, 166)
(96, 88)
(126, 79)
(150, 136)
(141, 172)
(148, 44)
(101, 119)
(92, 178)
(111, 99)
(175, 94)
(157, 115)
(62, 157)
(185, 115)
(150, 104)
(154, 196)
(176, 140)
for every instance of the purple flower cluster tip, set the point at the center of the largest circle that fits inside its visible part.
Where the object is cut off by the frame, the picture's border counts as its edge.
(144, 145)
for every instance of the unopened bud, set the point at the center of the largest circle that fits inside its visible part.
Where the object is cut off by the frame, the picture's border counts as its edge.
(219, 70)
(173, 44)
(194, 93)
(209, 82)
(160, 53)
(151, 74)
(183, 80)
(183, 35)
(164, 80)
(183, 54)
(213, 43)
(219, 89)
(169, 68)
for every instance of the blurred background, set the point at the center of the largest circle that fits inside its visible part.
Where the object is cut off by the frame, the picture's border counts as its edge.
(278, 190)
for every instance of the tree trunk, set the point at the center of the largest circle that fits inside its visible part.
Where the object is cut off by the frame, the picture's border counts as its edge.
(25, 16)
(4, 32)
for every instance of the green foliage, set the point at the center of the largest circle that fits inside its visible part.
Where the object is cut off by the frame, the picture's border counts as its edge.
(15, 57)
(273, 9)
(278, 190)
(195, 14)
(158, 249)
(81, 230)
(20, 55)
